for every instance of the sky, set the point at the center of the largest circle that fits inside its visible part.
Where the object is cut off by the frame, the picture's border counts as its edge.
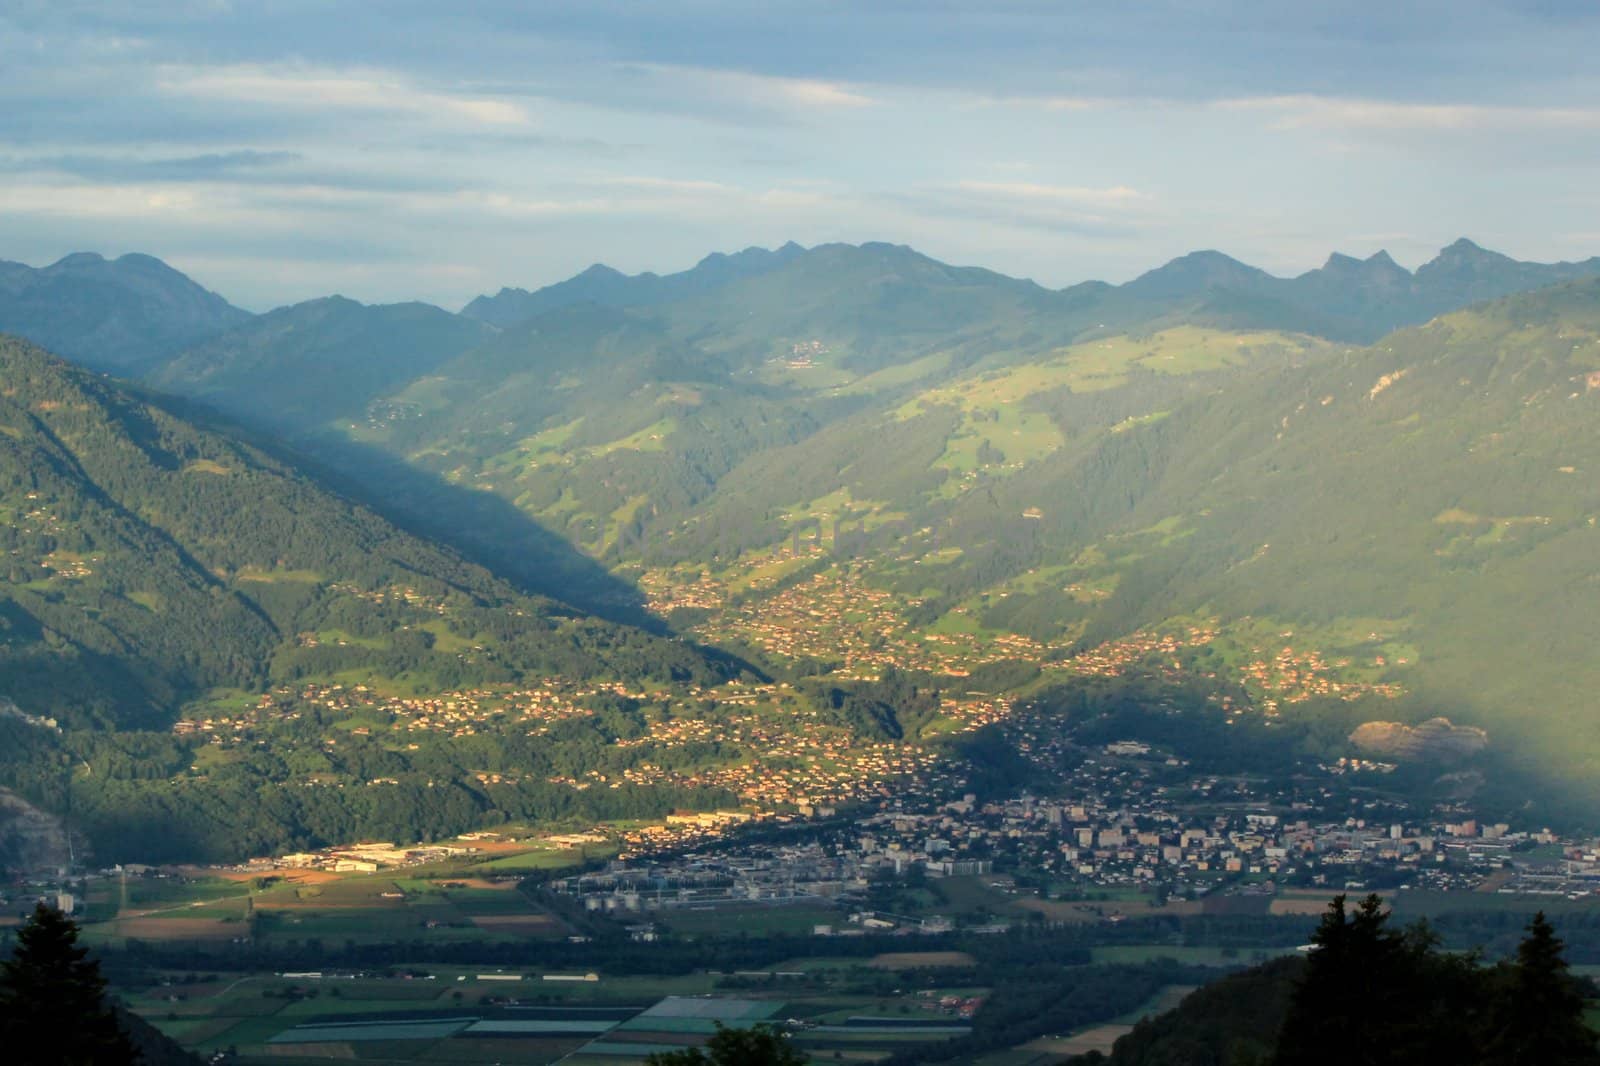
(279, 151)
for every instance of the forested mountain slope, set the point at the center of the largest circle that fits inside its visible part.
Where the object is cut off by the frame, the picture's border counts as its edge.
(159, 577)
(1374, 534)
(1438, 489)
(309, 363)
(1390, 533)
(149, 560)
(844, 311)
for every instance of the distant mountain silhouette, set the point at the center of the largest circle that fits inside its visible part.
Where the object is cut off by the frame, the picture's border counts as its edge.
(304, 364)
(112, 314)
(1344, 299)
(601, 284)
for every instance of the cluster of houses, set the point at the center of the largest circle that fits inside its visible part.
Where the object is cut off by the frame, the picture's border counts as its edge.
(666, 591)
(805, 767)
(1293, 676)
(1117, 824)
(40, 520)
(839, 617)
(397, 594)
(69, 565)
(802, 354)
(532, 709)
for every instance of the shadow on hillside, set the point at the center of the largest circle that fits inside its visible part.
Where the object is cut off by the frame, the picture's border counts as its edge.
(482, 527)
(996, 767)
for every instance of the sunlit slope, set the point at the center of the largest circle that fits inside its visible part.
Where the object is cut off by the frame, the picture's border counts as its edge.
(1393, 532)
(611, 426)
(148, 561)
(1444, 480)
(931, 451)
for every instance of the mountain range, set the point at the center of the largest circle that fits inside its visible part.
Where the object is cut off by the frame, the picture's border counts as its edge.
(1342, 502)
(133, 313)
(600, 284)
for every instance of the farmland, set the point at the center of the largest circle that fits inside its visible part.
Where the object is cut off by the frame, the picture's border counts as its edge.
(304, 906)
(461, 1015)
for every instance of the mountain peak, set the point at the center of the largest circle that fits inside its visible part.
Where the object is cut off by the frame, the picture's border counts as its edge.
(1378, 264)
(1206, 259)
(332, 300)
(1196, 273)
(1463, 259)
(1463, 252)
(78, 259)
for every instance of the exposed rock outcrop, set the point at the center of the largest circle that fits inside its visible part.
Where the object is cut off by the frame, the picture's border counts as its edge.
(1437, 740)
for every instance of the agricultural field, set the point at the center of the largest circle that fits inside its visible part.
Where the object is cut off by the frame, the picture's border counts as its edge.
(450, 1014)
(312, 905)
(1090, 1038)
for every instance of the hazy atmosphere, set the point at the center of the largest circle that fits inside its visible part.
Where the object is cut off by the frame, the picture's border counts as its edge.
(710, 533)
(425, 151)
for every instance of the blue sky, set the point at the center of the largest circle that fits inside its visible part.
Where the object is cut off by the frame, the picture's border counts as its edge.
(279, 151)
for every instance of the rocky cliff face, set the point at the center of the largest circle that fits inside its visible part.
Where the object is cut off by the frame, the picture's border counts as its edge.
(1437, 740)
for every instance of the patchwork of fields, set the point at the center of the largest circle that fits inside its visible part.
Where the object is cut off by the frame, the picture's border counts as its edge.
(460, 1016)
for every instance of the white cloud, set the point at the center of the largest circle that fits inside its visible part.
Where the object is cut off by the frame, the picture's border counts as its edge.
(97, 201)
(1069, 194)
(773, 90)
(1329, 112)
(311, 206)
(1293, 111)
(350, 90)
(671, 184)
(1058, 103)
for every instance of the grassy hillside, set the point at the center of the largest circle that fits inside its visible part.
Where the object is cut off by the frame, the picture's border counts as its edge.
(1439, 485)
(1401, 531)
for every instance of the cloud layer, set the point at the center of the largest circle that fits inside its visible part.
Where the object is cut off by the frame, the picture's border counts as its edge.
(417, 150)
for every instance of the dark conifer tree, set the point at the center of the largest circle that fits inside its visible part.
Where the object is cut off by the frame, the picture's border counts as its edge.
(1539, 1011)
(53, 1010)
(1327, 1024)
(1375, 996)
